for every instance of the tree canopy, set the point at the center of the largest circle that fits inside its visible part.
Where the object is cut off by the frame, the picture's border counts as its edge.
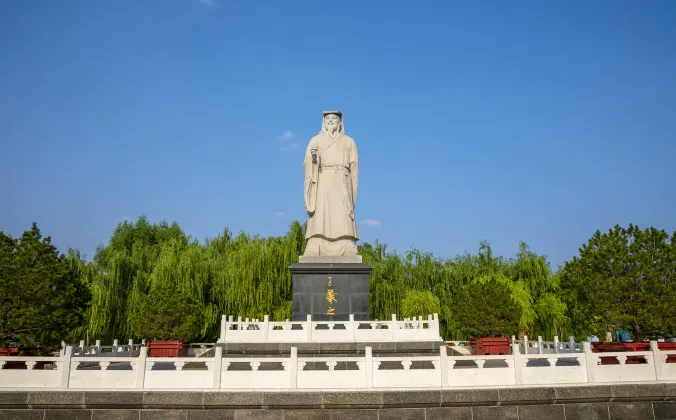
(622, 279)
(42, 297)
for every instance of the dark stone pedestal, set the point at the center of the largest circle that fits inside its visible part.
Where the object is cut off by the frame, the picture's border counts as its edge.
(330, 291)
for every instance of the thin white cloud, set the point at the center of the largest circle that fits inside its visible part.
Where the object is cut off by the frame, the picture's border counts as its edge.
(207, 2)
(287, 135)
(289, 147)
(371, 222)
(280, 214)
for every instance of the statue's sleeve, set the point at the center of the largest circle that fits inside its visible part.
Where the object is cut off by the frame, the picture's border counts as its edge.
(310, 184)
(354, 171)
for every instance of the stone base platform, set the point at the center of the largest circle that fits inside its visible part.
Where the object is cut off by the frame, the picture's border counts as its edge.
(605, 402)
(323, 259)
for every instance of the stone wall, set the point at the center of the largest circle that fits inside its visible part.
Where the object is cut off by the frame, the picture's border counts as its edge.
(627, 401)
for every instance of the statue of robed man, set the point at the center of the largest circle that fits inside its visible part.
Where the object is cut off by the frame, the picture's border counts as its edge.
(331, 177)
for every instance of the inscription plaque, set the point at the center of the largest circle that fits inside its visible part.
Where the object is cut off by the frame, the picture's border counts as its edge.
(330, 291)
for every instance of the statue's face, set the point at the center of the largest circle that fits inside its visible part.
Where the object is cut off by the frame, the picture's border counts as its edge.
(332, 121)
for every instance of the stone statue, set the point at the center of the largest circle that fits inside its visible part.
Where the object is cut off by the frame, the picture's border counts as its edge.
(331, 177)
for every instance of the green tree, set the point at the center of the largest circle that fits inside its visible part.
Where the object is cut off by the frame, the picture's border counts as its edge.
(245, 275)
(623, 279)
(42, 299)
(167, 314)
(485, 309)
(546, 311)
(418, 303)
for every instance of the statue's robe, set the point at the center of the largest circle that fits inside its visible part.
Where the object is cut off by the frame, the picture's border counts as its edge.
(331, 195)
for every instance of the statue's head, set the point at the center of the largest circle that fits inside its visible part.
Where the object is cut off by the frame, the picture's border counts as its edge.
(333, 122)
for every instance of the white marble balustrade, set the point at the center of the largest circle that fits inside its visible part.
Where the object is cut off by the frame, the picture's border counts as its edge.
(309, 331)
(332, 373)
(539, 346)
(130, 349)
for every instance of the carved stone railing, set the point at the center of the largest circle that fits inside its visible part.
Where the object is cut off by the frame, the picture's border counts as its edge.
(333, 373)
(308, 331)
(130, 349)
(539, 346)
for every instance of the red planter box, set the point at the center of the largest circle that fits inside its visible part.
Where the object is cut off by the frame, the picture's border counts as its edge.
(12, 351)
(617, 347)
(167, 348)
(490, 345)
(666, 347)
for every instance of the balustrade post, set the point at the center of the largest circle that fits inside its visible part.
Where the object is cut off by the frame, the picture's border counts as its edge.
(518, 366)
(393, 327)
(437, 331)
(443, 364)
(266, 328)
(556, 344)
(218, 367)
(141, 368)
(352, 327)
(590, 361)
(65, 365)
(308, 328)
(221, 338)
(540, 344)
(368, 366)
(571, 344)
(659, 360)
(525, 344)
(82, 347)
(293, 368)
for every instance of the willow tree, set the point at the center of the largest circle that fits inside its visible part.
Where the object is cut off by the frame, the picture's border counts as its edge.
(417, 303)
(386, 286)
(546, 314)
(120, 271)
(246, 275)
(253, 279)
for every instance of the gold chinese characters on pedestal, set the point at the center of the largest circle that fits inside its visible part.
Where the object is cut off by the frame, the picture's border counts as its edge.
(331, 298)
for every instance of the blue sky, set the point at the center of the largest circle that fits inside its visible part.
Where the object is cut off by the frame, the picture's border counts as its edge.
(491, 120)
